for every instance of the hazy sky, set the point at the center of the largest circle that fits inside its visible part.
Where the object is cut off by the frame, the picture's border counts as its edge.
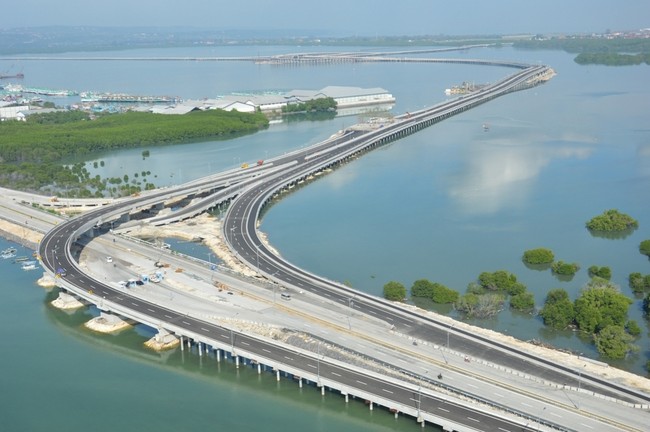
(341, 17)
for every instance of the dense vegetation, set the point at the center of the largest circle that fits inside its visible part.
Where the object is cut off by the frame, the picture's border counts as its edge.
(435, 291)
(394, 291)
(601, 272)
(325, 104)
(639, 283)
(600, 310)
(51, 137)
(644, 247)
(612, 220)
(565, 268)
(538, 256)
(31, 152)
(558, 309)
(487, 296)
(604, 51)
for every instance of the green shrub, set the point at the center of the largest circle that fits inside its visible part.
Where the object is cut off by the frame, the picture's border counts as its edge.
(538, 256)
(601, 272)
(523, 301)
(612, 220)
(558, 311)
(644, 247)
(564, 268)
(394, 291)
(442, 294)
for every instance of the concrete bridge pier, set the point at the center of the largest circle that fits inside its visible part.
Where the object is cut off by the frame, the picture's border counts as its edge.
(182, 343)
(322, 390)
(237, 361)
(299, 382)
(200, 349)
(218, 354)
(259, 368)
(277, 374)
(370, 406)
(347, 397)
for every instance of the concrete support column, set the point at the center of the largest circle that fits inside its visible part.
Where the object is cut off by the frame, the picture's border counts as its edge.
(237, 361)
(182, 347)
(259, 368)
(322, 390)
(347, 398)
(277, 375)
(189, 343)
(423, 423)
(396, 414)
(299, 382)
(370, 405)
(218, 353)
(200, 349)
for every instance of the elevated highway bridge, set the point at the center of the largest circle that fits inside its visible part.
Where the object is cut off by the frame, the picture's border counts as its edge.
(248, 191)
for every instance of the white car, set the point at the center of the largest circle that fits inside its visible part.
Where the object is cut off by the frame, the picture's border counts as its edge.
(109, 259)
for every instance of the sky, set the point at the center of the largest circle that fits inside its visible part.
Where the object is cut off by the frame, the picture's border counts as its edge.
(341, 17)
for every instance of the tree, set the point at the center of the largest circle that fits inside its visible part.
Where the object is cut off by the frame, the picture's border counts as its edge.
(632, 327)
(499, 280)
(613, 342)
(564, 268)
(558, 311)
(638, 282)
(612, 220)
(600, 305)
(480, 306)
(644, 247)
(394, 291)
(442, 294)
(523, 302)
(601, 272)
(422, 288)
(538, 256)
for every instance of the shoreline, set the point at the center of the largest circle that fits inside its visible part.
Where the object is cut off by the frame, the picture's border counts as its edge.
(209, 228)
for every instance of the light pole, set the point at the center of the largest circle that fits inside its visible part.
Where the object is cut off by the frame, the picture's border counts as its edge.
(449, 329)
(420, 397)
(318, 364)
(539, 418)
(350, 306)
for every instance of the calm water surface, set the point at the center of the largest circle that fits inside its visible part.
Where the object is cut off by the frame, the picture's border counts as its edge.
(444, 204)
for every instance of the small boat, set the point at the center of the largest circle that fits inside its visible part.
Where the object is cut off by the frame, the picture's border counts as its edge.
(29, 265)
(20, 259)
(486, 127)
(8, 253)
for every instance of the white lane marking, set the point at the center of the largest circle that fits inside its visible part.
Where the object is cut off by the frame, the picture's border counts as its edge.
(225, 336)
(150, 310)
(473, 419)
(555, 414)
(134, 304)
(586, 426)
(504, 430)
(372, 312)
(471, 385)
(334, 373)
(169, 316)
(265, 350)
(361, 382)
(525, 404)
(387, 391)
(185, 322)
(498, 395)
(205, 329)
(442, 409)
(311, 365)
(407, 325)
